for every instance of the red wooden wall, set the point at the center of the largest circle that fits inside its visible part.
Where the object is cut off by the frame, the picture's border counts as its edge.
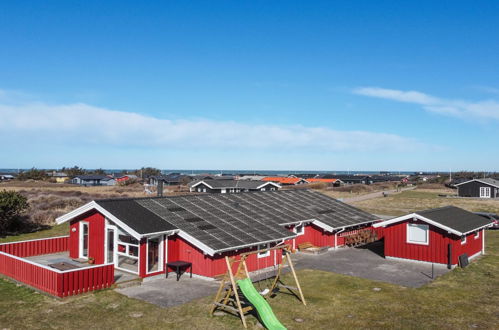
(436, 251)
(96, 233)
(204, 265)
(36, 247)
(319, 237)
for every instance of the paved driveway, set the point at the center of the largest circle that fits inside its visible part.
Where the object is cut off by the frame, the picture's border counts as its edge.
(369, 263)
(167, 292)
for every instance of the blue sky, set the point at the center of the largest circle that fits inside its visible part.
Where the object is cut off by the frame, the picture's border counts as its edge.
(320, 85)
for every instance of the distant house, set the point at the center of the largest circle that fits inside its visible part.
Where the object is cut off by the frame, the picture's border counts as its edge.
(59, 177)
(333, 182)
(231, 186)
(285, 181)
(252, 177)
(172, 179)
(6, 177)
(92, 180)
(481, 188)
(385, 178)
(126, 177)
(351, 179)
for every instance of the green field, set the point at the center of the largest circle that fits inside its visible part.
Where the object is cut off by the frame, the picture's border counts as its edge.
(421, 199)
(463, 298)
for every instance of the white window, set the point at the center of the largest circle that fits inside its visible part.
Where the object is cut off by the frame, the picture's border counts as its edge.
(299, 230)
(84, 240)
(477, 235)
(484, 192)
(463, 240)
(264, 253)
(418, 234)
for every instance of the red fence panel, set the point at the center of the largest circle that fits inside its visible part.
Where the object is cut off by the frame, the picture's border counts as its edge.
(51, 280)
(34, 275)
(36, 247)
(87, 279)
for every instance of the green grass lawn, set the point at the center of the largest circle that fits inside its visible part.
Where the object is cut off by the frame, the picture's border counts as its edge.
(416, 200)
(57, 230)
(461, 299)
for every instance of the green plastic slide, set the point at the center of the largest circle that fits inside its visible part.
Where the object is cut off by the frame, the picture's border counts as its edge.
(261, 305)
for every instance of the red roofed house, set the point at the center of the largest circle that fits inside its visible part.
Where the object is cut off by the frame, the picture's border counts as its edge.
(285, 180)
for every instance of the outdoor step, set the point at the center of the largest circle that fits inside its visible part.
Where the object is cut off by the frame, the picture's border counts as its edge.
(128, 284)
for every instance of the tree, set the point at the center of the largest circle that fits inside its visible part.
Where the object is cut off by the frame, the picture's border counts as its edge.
(98, 171)
(73, 171)
(146, 172)
(32, 174)
(12, 204)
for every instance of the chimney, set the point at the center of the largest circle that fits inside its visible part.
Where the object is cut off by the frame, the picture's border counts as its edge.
(160, 188)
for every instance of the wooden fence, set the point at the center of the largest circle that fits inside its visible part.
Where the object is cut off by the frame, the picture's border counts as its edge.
(36, 246)
(44, 278)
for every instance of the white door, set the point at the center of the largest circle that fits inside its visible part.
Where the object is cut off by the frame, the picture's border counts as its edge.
(83, 240)
(484, 192)
(111, 243)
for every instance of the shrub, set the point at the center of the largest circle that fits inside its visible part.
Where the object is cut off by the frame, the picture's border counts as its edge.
(12, 204)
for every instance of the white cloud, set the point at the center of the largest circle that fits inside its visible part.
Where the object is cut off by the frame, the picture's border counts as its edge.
(488, 109)
(78, 124)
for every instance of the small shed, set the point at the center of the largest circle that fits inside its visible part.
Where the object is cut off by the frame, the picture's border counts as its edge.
(438, 235)
(481, 188)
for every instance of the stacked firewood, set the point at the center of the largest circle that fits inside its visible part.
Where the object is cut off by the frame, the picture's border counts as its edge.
(361, 237)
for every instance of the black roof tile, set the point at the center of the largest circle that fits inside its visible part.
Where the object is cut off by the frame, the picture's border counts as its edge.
(455, 218)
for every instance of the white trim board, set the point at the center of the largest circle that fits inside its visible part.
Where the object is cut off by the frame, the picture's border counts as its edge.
(94, 206)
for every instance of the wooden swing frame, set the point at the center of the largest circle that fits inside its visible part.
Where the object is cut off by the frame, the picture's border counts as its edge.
(229, 300)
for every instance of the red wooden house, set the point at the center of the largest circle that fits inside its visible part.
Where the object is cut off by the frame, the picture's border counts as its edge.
(437, 236)
(141, 235)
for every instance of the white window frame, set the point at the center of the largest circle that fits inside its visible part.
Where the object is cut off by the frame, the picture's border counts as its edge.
(427, 228)
(484, 192)
(126, 253)
(263, 254)
(80, 239)
(463, 239)
(301, 232)
(160, 257)
(477, 235)
(115, 247)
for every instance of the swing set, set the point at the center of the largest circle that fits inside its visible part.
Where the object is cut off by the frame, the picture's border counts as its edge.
(239, 282)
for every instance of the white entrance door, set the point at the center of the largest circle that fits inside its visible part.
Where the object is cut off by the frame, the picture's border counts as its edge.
(484, 192)
(111, 242)
(83, 240)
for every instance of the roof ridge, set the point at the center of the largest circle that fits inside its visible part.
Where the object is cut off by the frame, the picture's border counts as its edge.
(194, 194)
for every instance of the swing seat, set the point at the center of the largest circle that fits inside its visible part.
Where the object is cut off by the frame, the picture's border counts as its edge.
(265, 292)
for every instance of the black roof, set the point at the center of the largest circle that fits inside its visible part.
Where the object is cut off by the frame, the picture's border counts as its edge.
(227, 221)
(135, 216)
(92, 177)
(456, 218)
(223, 184)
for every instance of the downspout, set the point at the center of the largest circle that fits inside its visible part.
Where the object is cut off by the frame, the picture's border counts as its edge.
(336, 238)
(483, 241)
